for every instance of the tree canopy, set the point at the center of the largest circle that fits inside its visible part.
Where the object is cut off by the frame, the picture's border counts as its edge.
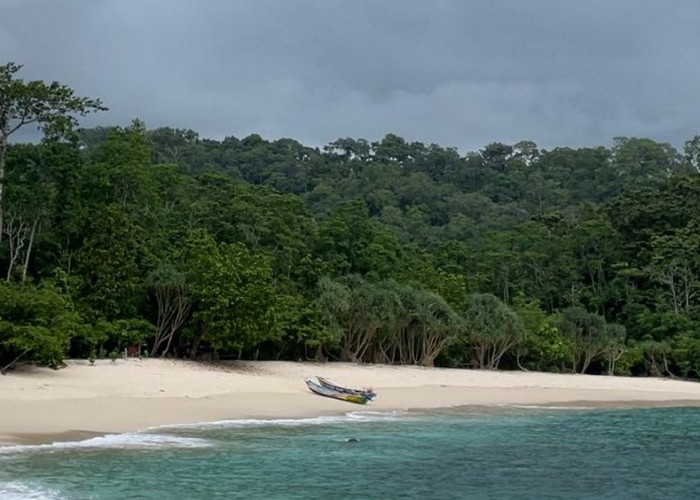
(513, 256)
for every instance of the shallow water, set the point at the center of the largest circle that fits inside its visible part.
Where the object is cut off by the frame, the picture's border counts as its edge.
(510, 453)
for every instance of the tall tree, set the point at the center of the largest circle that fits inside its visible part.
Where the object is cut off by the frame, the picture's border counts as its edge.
(108, 264)
(232, 293)
(52, 106)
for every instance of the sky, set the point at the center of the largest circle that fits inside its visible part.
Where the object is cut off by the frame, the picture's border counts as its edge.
(459, 73)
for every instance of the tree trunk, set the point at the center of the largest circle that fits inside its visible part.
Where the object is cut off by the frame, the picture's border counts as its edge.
(7, 367)
(518, 363)
(16, 243)
(195, 346)
(427, 362)
(3, 151)
(170, 339)
(29, 249)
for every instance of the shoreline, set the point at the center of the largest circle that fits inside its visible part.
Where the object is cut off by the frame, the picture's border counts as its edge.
(75, 436)
(41, 406)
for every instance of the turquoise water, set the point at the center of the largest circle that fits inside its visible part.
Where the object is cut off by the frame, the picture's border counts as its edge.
(509, 453)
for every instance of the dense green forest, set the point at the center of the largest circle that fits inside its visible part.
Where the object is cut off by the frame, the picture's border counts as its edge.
(515, 257)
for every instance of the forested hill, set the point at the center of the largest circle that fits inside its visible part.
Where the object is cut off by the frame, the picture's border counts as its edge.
(574, 259)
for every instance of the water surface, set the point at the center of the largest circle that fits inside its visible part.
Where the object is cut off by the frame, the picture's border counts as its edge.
(510, 453)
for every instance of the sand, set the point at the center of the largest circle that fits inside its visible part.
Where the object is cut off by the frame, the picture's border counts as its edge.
(42, 405)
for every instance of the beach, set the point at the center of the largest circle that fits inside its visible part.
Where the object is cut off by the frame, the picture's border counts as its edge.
(40, 405)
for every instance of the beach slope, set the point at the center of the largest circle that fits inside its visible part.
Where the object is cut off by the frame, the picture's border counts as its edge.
(41, 405)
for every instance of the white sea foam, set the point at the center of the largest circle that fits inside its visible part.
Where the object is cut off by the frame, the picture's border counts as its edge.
(155, 438)
(375, 416)
(359, 416)
(19, 490)
(136, 440)
(543, 407)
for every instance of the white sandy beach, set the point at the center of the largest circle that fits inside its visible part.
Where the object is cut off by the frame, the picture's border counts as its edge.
(43, 405)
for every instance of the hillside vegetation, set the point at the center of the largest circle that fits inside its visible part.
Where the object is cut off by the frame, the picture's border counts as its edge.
(574, 259)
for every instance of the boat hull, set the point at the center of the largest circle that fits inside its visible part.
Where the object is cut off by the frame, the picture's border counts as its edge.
(368, 394)
(330, 393)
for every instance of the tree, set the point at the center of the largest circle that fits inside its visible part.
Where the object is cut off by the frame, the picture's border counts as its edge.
(594, 243)
(357, 309)
(433, 324)
(299, 320)
(492, 328)
(335, 303)
(588, 335)
(35, 323)
(349, 149)
(496, 155)
(616, 345)
(232, 293)
(656, 356)
(692, 153)
(121, 168)
(108, 263)
(543, 344)
(344, 237)
(675, 265)
(29, 203)
(51, 106)
(642, 162)
(170, 290)
(686, 354)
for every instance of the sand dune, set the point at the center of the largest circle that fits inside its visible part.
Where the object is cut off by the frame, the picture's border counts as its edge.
(41, 404)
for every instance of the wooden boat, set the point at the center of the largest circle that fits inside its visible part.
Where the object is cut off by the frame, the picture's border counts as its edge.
(330, 393)
(367, 393)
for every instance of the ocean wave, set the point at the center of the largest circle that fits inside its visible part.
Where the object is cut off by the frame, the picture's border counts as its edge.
(357, 416)
(550, 407)
(18, 490)
(376, 416)
(133, 441)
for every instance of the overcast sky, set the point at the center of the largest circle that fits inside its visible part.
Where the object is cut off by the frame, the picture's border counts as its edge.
(460, 73)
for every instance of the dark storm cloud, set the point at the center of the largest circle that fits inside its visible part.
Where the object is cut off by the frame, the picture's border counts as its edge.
(459, 73)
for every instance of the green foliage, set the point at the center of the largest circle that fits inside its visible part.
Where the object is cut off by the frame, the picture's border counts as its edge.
(299, 321)
(119, 172)
(450, 286)
(52, 106)
(492, 329)
(36, 323)
(631, 362)
(543, 345)
(345, 238)
(386, 322)
(392, 251)
(428, 326)
(232, 292)
(335, 303)
(686, 354)
(119, 334)
(589, 337)
(108, 264)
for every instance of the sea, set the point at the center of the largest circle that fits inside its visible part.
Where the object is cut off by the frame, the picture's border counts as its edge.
(506, 452)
